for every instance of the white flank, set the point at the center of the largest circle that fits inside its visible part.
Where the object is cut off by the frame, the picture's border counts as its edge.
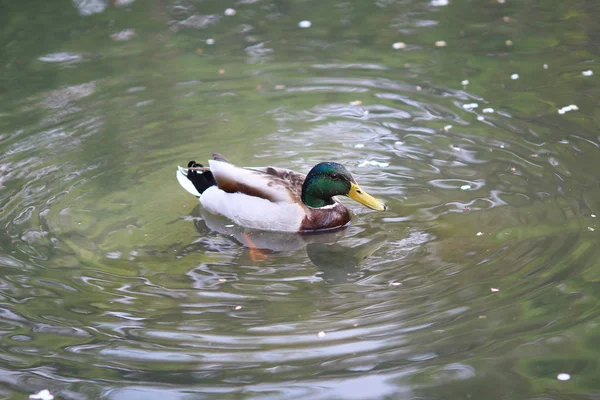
(253, 212)
(185, 182)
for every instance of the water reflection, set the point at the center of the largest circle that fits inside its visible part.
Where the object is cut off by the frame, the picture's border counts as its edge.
(336, 261)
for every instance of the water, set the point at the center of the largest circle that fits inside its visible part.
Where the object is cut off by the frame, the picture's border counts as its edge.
(480, 281)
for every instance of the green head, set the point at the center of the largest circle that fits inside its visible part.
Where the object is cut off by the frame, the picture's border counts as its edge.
(328, 179)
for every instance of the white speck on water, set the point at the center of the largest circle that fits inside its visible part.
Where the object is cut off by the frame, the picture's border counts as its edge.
(488, 110)
(238, 307)
(494, 289)
(479, 233)
(230, 12)
(545, 66)
(419, 88)
(501, 146)
(395, 284)
(591, 229)
(439, 3)
(465, 187)
(593, 215)
(229, 226)
(305, 24)
(359, 146)
(465, 82)
(501, 1)
(399, 143)
(447, 128)
(321, 334)
(589, 72)
(399, 45)
(440, 43)
(42, 395)
(356, 103)
(508, 43)
(563, 377)
(480, 118)
(470, 106)
(210, 42)
(514, 77)
(568, 108)
(222, 280)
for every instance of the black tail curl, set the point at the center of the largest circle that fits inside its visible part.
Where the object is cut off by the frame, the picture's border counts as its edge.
(201, 180)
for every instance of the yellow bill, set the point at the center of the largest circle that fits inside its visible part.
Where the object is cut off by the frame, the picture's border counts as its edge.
(359, 195)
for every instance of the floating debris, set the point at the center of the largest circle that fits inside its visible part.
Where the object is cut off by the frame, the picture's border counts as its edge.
(399, 45)
(513, 170)
(395, 284)
(589, 72)
(359, 146)
(501, 1)
(222, 280)
(479, 233)
(465, 82)
(210, 42)
(356, 103)
(480, 118)
(439, 3)
(440, 43)
(42, 395)
(568, 108)
(125, 34)
(447, 128)
(230, 12)
(545, 66)
(237, 308)
(563, 377)
(591, 229)
(221, 71)
(373, 163)
(488, 110)
(508, 43)
(482, 317)
(229, 226)
(506, 19)
(279, 87)
(514, 77)
(494, 290)
(321, 334)
(470, 106)
(593, 215)
(419, 88)
(304, 24)
(465, 187)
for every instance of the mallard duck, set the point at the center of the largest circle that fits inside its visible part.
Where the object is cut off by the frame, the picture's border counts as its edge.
(275, 199)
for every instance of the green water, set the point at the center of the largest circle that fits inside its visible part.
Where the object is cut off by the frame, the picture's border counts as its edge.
(480, 281)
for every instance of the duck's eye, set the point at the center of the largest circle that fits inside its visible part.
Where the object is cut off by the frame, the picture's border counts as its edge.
(335, 176)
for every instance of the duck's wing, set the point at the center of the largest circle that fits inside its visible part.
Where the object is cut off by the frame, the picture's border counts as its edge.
(273, 184)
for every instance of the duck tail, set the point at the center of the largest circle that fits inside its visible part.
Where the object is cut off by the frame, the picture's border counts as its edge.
(194, 181)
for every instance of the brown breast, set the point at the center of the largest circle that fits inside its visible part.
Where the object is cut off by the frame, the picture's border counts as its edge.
(329, 218)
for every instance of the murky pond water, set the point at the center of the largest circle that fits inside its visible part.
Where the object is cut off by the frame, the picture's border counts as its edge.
(476, 122)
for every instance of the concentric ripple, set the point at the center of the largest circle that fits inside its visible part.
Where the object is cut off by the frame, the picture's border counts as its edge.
(478, 281)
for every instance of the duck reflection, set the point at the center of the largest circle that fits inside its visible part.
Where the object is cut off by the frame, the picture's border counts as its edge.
(336, 260)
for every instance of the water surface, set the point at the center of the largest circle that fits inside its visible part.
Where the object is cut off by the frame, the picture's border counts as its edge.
(479, 281)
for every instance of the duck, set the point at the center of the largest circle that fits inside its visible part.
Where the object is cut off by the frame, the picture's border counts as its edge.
(275, 199)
